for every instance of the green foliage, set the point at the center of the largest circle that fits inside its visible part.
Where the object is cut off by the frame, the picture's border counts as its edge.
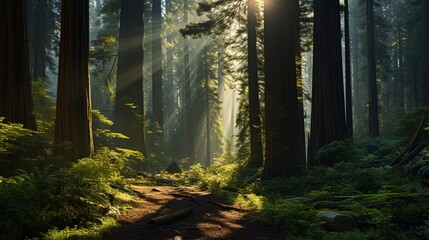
(383, 202)
(34, 201)
(44, 107)
(219, 175)
(335, 152)
(21, 148)
(95, 232)
(103, 134)
(408, 122)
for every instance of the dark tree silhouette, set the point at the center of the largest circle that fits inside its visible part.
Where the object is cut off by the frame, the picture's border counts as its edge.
(252, 71)
(40, 39)
(157, 103)
(73, 112)
(129, 91)
(285, 153)
(349, 109)
(425, 88)
(15, 79)
(328, 121)
(188, 105)
(373, 95)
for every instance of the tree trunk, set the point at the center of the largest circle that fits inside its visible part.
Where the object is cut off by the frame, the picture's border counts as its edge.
(208, 127)
(357, 100)
(397, 88)
(285, 152)
(373, 99)
(73, 113)
(15, 80)
(129, 88)
(220, 79)
(30, 31)
(170, 105)
(256, 160)
(349, 109)
(157, 105)
(425, 88)
(188, 106)
(39, 70)
(328, 121)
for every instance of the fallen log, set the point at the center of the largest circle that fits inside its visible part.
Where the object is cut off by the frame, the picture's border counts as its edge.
(414, 142)
(226, 207)
(172, 217)
(412, 154)
(186, 196)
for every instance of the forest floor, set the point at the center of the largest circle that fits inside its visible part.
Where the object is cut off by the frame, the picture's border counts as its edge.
(207, 221)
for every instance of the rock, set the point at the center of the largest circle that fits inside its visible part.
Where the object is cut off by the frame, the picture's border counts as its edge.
(337, 222)
(173, 168)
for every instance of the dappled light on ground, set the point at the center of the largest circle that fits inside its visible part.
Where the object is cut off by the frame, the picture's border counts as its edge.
(207, 221)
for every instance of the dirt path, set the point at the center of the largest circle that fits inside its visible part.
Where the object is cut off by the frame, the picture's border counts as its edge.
(207, 221)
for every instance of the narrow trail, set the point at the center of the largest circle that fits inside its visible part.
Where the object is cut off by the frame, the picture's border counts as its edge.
(207, 221)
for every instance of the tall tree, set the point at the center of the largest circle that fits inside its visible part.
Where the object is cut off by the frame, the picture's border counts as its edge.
(73, 112)
(285, 153)
(349, 110)
(170, 108)
(40, 39)
(157, 105)
(15, 88)
(129, 103)
(372, 78)
(207, 107)
(328, 112)
(425, 88)
(256, 157)
(188, 107)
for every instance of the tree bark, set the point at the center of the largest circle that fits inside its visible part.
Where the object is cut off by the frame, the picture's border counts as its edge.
(208, 127)
(157, 104)
(15, 80)
(357, 95)
(129, 88)
(188, 105)
(425, 88)
(373, 99)
(256, 157)
(328, 121)
(285, 153)
(170, 104)
(40, 32)
(349, 109)
(73, 112)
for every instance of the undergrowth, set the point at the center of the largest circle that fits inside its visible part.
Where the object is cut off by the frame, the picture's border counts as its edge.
(384, 202)
(43, 197)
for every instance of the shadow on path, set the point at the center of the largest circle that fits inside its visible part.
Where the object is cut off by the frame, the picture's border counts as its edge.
(208, 221)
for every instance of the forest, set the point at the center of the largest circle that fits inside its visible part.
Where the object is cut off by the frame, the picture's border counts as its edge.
(214, 119)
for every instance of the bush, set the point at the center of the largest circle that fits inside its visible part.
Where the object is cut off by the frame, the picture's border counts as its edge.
(21, 148)
(35, 201)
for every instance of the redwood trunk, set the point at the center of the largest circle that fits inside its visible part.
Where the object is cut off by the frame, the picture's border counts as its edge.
(73, 121)
(349, 110)
(425, 89)
(328, 121)
(157, 105)
(129, 88)
(285, 154)
(188, 106)
(252, 71)
(15, 79)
